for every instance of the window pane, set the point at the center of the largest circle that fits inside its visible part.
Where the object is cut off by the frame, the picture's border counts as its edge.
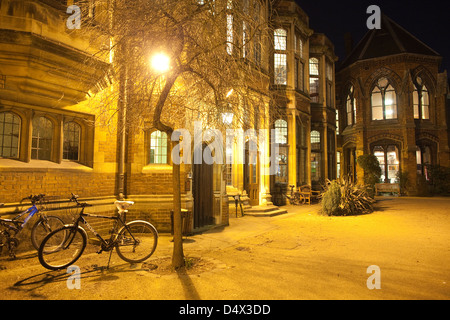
(390, 102)
(315, 140)
(416, 104)
(314, 66)
(41, 139)
(280, 69)
(158, 148)
(377, 105)
(71, 144)
(393, 163)
(315, 166)
(9, 135)
(281, 132)
(425, 104)
(280, 39)
(379, 153)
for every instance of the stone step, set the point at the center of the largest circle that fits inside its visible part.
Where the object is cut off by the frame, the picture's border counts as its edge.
(264, 211)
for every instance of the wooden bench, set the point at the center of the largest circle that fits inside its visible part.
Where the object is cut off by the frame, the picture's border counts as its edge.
(307, 194)
(393, 188)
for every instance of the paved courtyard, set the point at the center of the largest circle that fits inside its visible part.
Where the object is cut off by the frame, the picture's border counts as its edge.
(296, 256)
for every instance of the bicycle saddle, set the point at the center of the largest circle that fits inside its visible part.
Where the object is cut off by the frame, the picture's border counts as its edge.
(123, 205)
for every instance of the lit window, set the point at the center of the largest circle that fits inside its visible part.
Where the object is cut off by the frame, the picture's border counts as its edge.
(384, 101)
(421, 101)
(281, 131)
(42, 137)
(351, 107)
(71, 146)
(280, 39)
(9, 135)
(315, 140)
(388, 157)
(280, 69)
(158, 147)
(314, 79)
(230, 38)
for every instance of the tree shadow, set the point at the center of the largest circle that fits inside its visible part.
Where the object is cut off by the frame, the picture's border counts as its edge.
(190, 292)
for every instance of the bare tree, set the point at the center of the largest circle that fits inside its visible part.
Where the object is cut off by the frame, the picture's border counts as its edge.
(214, 48)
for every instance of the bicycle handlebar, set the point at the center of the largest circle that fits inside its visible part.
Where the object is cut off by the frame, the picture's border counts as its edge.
(74, 198)
(34, 198)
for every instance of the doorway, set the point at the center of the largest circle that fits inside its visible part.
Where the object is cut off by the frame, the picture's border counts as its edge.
(203, 193)
(251, 176)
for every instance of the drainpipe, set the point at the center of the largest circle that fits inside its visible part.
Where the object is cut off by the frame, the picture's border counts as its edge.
(122, 115)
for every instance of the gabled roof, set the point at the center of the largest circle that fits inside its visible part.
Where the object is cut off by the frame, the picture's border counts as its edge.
(391, 39)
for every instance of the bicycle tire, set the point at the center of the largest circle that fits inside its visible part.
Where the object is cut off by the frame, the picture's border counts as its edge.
(62, 247)
(43, 227)
(141, 245)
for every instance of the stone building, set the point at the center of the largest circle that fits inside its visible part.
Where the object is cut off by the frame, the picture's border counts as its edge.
(303, 79)
(54, 142)
(392, 103)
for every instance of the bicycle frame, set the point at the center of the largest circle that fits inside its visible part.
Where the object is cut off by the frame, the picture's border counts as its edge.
(19, 225)
(106, 245)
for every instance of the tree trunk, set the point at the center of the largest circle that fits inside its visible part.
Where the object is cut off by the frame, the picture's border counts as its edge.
(178, 255)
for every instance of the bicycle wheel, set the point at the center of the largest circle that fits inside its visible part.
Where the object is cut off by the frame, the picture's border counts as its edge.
(137, 241)
(43, 227)
(62, 247)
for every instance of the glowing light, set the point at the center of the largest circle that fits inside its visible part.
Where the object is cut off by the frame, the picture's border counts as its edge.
(161, 62)
(230, 93)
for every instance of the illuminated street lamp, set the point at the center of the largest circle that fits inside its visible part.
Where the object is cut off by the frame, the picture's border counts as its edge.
(227, 117)
(160, 62)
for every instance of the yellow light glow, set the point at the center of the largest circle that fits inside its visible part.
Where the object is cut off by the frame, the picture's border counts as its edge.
(230, 93)
(160, 62)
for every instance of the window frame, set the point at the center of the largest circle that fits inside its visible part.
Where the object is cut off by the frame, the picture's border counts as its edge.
(419, 89)
(314, 79)
(77, 125)
(38, 139)
(158, 147)
(280, 58)
(2, 135)
(383, 90)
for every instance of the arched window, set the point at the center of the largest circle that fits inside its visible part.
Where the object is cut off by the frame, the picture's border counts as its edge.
(314, 79)
(158, 147)
(42, 138)
(281, 131)
(9, 135)
(384, 101)
(351, 107)
(280, 56)
(71, 145)
(421, 100)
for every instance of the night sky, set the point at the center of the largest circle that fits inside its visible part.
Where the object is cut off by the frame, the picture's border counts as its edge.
(427, 20)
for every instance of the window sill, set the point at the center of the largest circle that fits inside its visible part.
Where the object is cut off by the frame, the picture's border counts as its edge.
(156, 168)
(10, 164)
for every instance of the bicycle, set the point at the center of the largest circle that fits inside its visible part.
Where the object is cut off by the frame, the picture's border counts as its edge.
(13, 227)
(134, 241)
(296, 197)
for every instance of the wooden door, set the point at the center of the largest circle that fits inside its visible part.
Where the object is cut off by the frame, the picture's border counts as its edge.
(251, 176)
(203, 193)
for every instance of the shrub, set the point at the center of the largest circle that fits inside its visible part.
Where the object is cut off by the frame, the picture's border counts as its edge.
(353, 199)
(331, 199)
(372, 171)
